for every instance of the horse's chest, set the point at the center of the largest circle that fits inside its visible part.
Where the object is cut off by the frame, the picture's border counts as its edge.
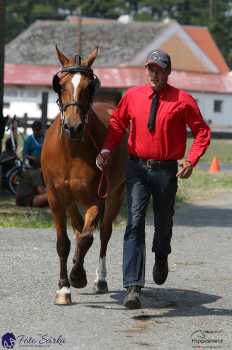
(77, 181)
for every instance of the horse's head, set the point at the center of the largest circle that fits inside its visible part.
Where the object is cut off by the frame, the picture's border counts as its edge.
(75, 85)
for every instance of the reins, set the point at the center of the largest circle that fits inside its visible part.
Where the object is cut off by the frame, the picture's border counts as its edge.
(104, 177)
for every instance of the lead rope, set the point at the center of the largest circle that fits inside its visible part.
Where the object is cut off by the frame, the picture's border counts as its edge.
(103, 173)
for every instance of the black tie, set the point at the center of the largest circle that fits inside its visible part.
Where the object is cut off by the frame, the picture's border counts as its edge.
(153, 110)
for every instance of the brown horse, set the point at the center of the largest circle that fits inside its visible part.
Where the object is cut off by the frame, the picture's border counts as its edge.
(72, 178)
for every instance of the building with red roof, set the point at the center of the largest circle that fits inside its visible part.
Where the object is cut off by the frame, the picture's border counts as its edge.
(198, 65)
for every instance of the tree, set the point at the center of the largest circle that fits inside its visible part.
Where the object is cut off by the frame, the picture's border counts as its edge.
(101, 8)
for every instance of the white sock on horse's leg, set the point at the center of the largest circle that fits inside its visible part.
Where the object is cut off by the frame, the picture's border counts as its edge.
(101, 273)
(64, 290)
(63, 296)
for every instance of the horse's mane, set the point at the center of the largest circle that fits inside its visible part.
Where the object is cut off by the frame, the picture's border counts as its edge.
(103, 110)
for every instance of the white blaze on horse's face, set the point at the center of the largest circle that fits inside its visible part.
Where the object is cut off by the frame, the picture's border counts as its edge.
(75, 81)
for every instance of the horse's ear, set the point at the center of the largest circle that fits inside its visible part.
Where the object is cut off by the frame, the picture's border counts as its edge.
(62, 58)
(92, 56)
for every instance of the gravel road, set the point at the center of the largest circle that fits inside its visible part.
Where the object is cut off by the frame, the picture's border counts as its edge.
(193, 309)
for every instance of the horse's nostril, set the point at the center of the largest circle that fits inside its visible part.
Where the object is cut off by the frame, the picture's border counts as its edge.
(75, 131)
(66, 126)
(79, 128)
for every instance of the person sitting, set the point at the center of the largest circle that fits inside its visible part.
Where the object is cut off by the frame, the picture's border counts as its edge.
(31, 191)
(33, 145)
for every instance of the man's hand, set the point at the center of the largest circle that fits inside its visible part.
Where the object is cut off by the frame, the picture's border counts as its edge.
(103, 158)
(186, 169)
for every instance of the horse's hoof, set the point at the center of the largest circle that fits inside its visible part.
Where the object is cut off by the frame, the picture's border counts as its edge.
(78, 279)
(63, 297)
(100, 287)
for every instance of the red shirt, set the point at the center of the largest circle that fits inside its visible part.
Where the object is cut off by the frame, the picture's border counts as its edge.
(176, 110)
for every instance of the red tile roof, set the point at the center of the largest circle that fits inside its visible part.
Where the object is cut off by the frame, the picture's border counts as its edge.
(202, 37)
(120, 77)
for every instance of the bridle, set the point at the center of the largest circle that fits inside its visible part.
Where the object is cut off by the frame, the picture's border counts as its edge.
(94, 85)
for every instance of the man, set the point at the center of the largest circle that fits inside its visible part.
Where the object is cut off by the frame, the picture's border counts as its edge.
(157, 115)
(31, 191)
(33, 145)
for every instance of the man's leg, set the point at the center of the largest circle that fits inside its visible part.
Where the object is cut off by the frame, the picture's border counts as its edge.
(164, 195)
(138, 194)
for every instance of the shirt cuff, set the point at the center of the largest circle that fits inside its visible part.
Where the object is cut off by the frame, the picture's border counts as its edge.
(105, 150)
(192, 161)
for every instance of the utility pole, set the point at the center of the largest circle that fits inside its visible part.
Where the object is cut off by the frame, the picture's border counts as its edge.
(44, 116)
(79, 25)
(211, 12)
(2, 59)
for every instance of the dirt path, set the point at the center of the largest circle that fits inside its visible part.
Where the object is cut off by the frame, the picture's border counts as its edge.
(192, 310)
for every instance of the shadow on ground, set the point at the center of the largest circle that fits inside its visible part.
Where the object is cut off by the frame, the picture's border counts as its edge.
(200, 216)
(176, 302)
(166, 302)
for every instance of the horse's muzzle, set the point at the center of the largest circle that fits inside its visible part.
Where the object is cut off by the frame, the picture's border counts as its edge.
(75, 132)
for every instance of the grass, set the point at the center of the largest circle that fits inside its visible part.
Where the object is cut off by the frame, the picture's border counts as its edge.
(220, 148)
(202, 185)
(13, 216)
(25, 221)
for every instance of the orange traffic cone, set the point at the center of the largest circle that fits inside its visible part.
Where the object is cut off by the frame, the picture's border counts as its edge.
(215, 166)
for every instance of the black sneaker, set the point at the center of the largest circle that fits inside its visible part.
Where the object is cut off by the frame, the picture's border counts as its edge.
(160, 270)
(132, 298)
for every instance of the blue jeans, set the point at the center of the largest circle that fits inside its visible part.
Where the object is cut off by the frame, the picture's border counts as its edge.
(141, 184)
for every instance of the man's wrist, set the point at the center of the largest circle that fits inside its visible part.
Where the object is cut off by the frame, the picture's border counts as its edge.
(189, 162)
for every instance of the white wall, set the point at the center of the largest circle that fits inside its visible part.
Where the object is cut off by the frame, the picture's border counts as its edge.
(27, 100)
(206, 104)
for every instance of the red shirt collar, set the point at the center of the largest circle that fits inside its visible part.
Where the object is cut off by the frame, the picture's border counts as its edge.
(150, 91)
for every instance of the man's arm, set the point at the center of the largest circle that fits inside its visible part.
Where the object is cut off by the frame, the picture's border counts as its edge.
(118, 124)
(200, 131)
(201, 134)
(26, 148)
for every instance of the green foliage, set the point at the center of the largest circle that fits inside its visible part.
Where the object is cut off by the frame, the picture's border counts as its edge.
(35, 221)
(101, 8)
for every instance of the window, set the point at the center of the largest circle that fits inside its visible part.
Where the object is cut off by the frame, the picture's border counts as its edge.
(218, 106)
(11, 93)
(6, 105)
(28, 93)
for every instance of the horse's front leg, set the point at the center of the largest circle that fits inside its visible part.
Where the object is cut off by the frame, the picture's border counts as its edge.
(77, 225)
(112, 207)
(77, 276)
(63, 295)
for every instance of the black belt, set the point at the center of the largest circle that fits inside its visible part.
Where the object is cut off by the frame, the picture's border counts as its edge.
(152, 163)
